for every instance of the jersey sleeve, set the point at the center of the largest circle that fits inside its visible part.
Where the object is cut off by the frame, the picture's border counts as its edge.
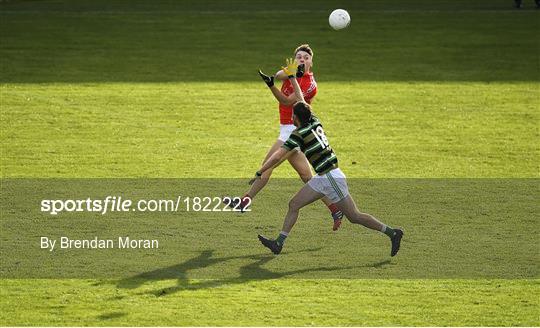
(294, 141)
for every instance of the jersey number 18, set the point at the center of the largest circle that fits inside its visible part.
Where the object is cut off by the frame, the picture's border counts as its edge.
(320, 136)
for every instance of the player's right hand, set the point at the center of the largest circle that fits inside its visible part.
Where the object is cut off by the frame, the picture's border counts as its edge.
(291, 68)
(269, 80)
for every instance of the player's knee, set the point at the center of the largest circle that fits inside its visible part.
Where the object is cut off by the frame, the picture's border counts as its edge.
(294, 205)
(353, 216)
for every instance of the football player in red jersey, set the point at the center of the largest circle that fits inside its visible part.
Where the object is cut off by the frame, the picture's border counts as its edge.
(303, 56)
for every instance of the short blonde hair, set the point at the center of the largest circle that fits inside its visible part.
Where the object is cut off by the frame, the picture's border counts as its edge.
(304, 47)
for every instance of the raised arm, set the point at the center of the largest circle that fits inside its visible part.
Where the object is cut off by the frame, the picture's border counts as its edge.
(292, 72)
(280, 75)
(288, 71)
(269, 80)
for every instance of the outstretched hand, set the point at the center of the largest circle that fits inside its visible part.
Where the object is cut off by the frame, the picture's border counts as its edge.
(290, 68)
(269, 80)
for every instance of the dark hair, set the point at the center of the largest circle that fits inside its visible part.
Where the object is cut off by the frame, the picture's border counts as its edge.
(304, 47)
(302, 110)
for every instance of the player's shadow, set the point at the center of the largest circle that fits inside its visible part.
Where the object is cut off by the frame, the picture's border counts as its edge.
(250, 272)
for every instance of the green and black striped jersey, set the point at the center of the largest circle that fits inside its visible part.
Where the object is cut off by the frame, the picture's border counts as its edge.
(312, 141)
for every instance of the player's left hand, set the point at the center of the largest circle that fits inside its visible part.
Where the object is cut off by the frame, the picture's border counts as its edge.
(300, 70)
(269, 80)
(291, 67)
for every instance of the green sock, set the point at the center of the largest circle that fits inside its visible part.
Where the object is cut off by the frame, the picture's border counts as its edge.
(388, 231)
(281, 238)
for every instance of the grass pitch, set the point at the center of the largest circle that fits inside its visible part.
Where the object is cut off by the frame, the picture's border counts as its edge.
(167, 89)
(379, 130)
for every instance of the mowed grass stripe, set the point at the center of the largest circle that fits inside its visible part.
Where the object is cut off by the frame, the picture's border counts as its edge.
(225, 129)
(180, 46)
(273, 303)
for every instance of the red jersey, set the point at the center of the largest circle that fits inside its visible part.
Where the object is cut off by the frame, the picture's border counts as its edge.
(309, 89)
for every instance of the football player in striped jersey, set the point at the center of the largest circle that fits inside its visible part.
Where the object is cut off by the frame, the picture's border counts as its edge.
(286, 98)
(309, 138)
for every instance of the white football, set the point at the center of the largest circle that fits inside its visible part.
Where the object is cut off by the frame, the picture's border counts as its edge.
(339, 19)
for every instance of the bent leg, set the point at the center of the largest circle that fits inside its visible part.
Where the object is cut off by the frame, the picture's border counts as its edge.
(300, 163)
(349, 209)
(303, 197)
